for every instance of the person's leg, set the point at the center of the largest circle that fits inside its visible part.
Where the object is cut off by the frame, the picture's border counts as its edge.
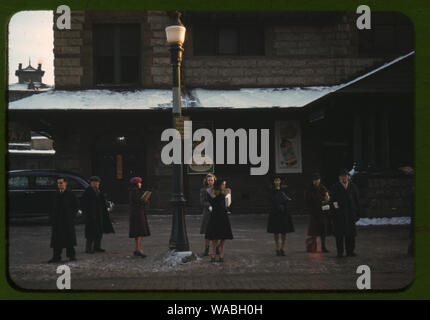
(323, 246)
(136, 244)
(71, 253)
(350, 245)
(276, 237)
(89, 246)
(339, 245)
(141, 245)
(56, 255)
(207, 244)
(98, 244)
(214, 246)
(221, 248)
(283, 241)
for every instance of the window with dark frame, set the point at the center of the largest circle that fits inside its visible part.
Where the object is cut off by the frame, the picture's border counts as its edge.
(116, 54)
(213, 40)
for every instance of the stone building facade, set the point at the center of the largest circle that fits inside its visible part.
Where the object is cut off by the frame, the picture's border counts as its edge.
(127, 52)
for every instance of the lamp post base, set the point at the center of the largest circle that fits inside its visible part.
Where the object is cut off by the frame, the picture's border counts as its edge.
(178, 238)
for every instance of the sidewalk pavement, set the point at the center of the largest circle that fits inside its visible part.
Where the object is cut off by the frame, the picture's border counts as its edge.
(250, 260)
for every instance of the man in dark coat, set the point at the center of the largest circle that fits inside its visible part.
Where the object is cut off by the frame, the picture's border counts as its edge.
(97, 221)
(345, 198)
(63, 213)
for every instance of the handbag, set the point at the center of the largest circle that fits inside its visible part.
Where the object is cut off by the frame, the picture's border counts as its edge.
(313, 244)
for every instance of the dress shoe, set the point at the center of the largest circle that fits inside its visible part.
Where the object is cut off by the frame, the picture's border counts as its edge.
(282, 252)
(324, 250)
(55, 260)
(352, 254)
(221, 259)
(139, 254)
(99, 250)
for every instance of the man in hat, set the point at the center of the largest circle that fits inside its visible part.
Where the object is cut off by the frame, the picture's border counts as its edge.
(97, 221)
(345, 198)
(64, 208)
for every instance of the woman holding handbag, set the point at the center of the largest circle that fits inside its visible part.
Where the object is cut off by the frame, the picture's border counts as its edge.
(317, 202)
(219, 228)
(139, 227)
(280, 221)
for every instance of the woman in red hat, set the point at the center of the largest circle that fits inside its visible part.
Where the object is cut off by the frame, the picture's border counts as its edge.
(139, 227)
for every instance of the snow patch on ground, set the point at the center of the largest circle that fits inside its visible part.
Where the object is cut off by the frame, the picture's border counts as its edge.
(173, 259)
(383, 221)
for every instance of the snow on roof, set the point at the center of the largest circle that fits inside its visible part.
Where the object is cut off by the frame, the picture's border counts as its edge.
(155, 99)
(24, 87)
(94, 100)
(31, 151)
(259, 97)
(159, 98)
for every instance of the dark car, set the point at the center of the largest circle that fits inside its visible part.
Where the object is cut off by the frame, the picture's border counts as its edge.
(30, 192)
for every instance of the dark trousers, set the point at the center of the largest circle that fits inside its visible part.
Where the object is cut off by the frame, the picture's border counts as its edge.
(94, 243)
(70, 253)
(345, 242)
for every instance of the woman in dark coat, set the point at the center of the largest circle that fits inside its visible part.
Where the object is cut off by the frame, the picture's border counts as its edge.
(64, 208)
(206, 191)
(219, 228)
(319, 225)
(139, 227)
(97, 221)
(280, 221)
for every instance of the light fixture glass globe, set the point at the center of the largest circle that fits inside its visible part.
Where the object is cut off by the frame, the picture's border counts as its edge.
(175, 34)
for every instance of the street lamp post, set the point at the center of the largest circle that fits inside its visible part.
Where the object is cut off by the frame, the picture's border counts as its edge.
(175, 34)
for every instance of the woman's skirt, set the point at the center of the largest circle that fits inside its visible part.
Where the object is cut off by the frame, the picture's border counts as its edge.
(139, 226)
(219, 228)
(280, 223)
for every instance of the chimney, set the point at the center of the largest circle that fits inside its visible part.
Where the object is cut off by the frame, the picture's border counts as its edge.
(39, 67)
(20, 66)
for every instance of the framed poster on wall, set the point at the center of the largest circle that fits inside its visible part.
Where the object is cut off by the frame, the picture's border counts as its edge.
(288, 147)
(201, 168)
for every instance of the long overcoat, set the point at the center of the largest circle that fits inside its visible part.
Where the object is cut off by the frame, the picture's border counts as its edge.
(94, 208)
(320, 223)
(63, 213)
(205, 204)
(347, 214)
(138, 224)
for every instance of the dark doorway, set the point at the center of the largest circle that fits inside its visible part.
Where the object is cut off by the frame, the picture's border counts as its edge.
(118, 158)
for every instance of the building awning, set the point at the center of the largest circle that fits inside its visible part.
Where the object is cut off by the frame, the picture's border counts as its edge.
(150, 99)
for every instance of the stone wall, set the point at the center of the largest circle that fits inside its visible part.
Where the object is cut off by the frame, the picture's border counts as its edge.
(69, 53)
(296, 55)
